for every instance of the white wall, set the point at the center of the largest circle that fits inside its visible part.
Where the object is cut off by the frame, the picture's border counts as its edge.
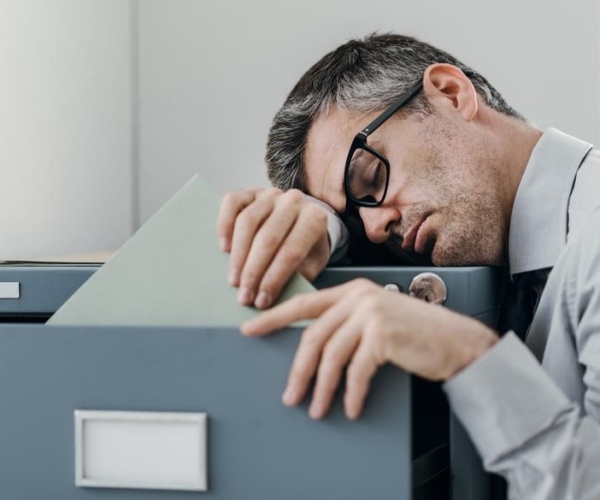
(83, 159)
(213, 74)
(65, 138)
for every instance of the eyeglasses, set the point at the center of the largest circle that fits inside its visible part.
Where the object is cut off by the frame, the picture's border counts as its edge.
(367, 172)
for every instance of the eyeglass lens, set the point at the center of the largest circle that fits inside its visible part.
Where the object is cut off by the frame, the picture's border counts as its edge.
(367, 176)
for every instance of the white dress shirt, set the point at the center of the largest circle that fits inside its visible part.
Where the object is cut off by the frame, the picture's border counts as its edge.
(537, 421)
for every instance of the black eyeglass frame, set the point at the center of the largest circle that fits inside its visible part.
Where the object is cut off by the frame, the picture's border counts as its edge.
(360, 142)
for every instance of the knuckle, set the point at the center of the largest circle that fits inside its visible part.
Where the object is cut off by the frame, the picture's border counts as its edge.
(273, 281)
(352, 373)
(291, 257)
(315, 227)
(290, 199)
(250, 278)
(267, 239)
(331, 356)
(372, 305)
(363, 285)
(375, 328)
(271, 192)
(247, 217)
(237, 198)
(319, 218)
(312, 340)
(295, 194)
(316, 213)
(228, 199)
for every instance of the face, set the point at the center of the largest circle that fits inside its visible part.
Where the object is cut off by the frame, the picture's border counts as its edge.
(444, 196)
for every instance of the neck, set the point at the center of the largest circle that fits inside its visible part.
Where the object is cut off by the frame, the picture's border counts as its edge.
(517, 140)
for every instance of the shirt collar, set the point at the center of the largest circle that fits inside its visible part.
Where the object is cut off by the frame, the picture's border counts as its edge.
(538, 225)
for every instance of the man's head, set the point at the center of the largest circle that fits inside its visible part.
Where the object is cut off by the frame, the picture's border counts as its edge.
(448, 192)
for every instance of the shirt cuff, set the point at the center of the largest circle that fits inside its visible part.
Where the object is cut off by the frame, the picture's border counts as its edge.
(504, 398)
(337, 232)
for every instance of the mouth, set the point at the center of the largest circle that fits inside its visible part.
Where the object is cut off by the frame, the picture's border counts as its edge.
(415, 239)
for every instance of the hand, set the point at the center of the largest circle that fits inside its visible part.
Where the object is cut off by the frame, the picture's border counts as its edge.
(270, 235)
(362, 326)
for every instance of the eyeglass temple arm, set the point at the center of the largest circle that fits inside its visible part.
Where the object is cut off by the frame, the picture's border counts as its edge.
(375, 124)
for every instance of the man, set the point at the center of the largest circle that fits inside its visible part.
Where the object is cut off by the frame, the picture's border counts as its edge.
(429, 157)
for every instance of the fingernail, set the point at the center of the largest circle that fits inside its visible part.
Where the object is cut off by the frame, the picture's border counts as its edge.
(245, 296)
(249, 326)
(234, 277)
(351, 410)
(315, 410)
(263, 300)
(289, 396)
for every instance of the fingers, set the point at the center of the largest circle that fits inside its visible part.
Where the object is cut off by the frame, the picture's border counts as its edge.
(247, 224)
(347, 345)
(334, 358)
(309, 232)
(233, 203)
(359, 374)
(270, 235)
(344, 335)
(318, 348)
(278, 248)
(326, 346)
(303, 306)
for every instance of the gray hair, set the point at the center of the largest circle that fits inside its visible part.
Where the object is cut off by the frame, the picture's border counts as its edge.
(362, 75)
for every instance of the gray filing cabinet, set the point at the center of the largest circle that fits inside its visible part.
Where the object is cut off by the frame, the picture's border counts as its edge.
(406, 446)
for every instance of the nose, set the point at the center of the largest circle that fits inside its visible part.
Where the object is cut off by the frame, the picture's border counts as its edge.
(379, 222)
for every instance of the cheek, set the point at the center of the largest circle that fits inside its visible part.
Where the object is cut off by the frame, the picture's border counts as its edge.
(434, 166)
(411, 175)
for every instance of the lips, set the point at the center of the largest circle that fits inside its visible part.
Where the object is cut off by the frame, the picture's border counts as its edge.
(414, 239)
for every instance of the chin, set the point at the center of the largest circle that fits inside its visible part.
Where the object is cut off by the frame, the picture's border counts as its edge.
(451, 255)
(464, 257)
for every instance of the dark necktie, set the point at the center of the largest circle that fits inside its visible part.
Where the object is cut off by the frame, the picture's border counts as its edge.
(521, 297)
(520, 301)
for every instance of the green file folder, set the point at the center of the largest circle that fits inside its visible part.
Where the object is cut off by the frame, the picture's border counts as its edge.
(170, 272)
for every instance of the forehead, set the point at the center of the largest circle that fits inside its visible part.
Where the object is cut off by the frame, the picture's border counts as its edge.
(327, 146)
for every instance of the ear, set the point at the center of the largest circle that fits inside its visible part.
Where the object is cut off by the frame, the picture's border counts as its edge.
(446, 84)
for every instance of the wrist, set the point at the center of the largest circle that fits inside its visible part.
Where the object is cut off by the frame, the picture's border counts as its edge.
(473, 341)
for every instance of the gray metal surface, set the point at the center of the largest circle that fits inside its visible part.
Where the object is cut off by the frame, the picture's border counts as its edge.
(474, 291)
(43, 289)
(258, 449)
(471, 290)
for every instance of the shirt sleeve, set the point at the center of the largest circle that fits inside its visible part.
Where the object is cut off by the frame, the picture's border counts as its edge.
(336, 231)
(524, 427)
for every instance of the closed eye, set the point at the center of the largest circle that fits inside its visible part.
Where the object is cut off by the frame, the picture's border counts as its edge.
(373, 179)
